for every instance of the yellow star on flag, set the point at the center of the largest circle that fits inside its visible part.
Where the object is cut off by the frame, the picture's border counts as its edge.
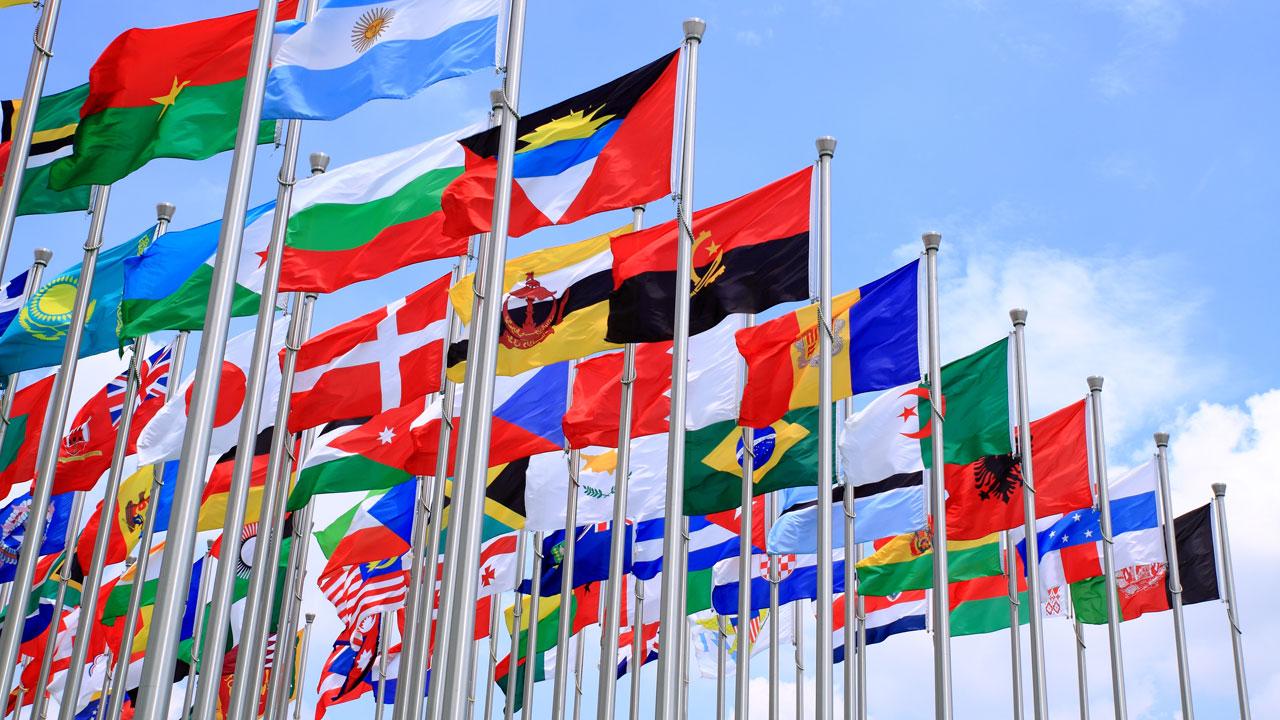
(168, 100)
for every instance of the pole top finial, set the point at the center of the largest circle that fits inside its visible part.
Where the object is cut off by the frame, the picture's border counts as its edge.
(319, 162)
(165, 211)
(1018, 316)
(130, 560)
(311, 617)
(932, 240)
(694, 28)
(640, 207)
(1095, 382)
(1219, 489)
(826, 146)
(43, 256)
(1162, 439)
(497, 98)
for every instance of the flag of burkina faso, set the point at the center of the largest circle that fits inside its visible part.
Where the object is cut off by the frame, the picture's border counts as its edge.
(170, 92)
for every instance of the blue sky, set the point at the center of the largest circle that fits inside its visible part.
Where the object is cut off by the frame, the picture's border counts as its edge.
(1109, 164)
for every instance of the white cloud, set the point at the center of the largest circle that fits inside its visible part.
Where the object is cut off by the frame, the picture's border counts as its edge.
(1148, 27)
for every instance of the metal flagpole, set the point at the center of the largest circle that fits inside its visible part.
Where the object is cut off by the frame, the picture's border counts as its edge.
(577, 676)
(20, 148)
(860, 617)
(22, 692)
(143, 549)
(605, 697)
(798, 641)
(1082, 669)
(775, 632)
(673, 584)
(59, 603)
(826, 443)
(197, 631)
(34, 275)
(383, 650)
(531, 639)
(1039, 683)
(106, 683)
(517, 613)
(746, 571)
(637, 650)
(1174, 576)
(1233, 610)
(1015, 634)
(266, 551)
(564, 631)
(495, 605)
(937, 495)
(305, 645)
(684, 671)
(1108, 546)
(851, 684)
(722, 657)
(175, 572)
(294, 586)
(456, 618)
(55, 419)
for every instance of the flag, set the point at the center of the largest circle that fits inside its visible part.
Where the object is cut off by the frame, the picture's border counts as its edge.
(499, 566)
(648, 645)
(353, 52)
(554, 307)
(975, 393)
(875, 347)
(749, 254)
(36, 338)
(981, 605)
(330, 535)
(592, 417)
(1197, 564)
(710, 541)
(705, 630)
(797, 580)
(166, 287)
(905, 562)
(380, 529)
(347, 673)
(547, 484)
(125, 519)
(217, 489)
(361, 591)
(374, 363)
(15, 3)
(605, 149)
(363, 220)
(11, 298)
(504, 509)
(22, 436)
(116, 599)
(357, 455)
(161, 439)
(55, 125)
(885, 617)
(591, 557)
(13, 527)
(163, 92)
(985, 496)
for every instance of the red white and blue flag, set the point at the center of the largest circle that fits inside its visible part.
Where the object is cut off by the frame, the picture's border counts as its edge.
(886, 616)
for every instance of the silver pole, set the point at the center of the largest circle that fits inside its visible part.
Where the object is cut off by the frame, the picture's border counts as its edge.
(852, 686)
(302, 662)
(605, 700)
(381, 695)
(295, 585)
(564, 631)
(1108, 548)
(684, 671)
(577, 676)
(20, 148)
(722, 658)
(197, 632)
(531, 639)
(637, 650)
(456, 618)
(517, 613)
(17, 708)
(742, 670)
(937, 495)
(59, 603)
(826, 443)
(860, 617)
(1233, 610)
(106, 683)
(266, 551)
(775, 632)
(798, 641)
(1175, 577)
(55, 420)
(1039, 683)
(124, 658)
(494, 618)
(34, 276)
(673, 583)
(1082, 669)
(1015, 634)
(157, 672)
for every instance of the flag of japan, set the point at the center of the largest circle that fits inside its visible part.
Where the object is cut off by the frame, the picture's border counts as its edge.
(374, 363)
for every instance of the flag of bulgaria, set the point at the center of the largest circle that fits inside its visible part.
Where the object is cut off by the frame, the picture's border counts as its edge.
(163, 92)
(905, 562)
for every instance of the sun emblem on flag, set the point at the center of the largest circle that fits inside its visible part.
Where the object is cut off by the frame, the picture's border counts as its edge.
(370, 27)
(48, 313)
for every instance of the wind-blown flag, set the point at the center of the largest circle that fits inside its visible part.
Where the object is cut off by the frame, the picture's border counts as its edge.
(591, 560)
(554, 306)
(605, 149)
(126, 518)
(547, 484)
(163, 92)
(1197, 555)
(379, 529)
(36, 338)
(357, 455)
(166, 287)
(363, 220)
(749, 254)
(797, 580)
(217, 489)
(712, 538)
(374, 363)
(361, 591)
(11, 298)
(354, 52)
(876, 347)
(13, 527)
(981, 605)
(975, 392)
(56, 121)
(905, 562)
(886, 616)
(22, 437)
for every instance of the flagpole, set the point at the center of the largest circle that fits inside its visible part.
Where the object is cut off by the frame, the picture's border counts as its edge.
(798, 641)
(637, 650)
(1039, 683)
(175, 572)
(1233, 610)
(937, 495)
(197, 631)
(517, 613)
(722, 657)
(1174, 577)
(851, 684)
(266, 551)
(577, 675)
(742, 670)
(494, 618)
(531, 638)
(670, 618)
(294, 586)
(34, 275)
(860, 617)
(1015, 634)
(55, 420)
(20, 147)
(684, 670)
(22, 692)
(559, 696)
(124, 658)
(823, 706)
(1108, 546)
(106, 682)
(304, 646)
(381, 694)
(775, 632)
(608, 677)
(1082, 669)
(59, 603)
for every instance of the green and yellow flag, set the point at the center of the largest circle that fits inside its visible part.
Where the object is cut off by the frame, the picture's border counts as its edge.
(51, 138)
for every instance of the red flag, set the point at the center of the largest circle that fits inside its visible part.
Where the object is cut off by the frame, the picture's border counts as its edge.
(592, 419)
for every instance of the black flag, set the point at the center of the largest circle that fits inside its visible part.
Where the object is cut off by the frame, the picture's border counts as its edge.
(1197, 565)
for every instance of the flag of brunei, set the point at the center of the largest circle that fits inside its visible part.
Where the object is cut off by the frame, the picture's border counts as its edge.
(605, 149)
(749, 254)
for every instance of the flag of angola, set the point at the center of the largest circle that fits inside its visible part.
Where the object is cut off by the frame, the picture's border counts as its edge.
(605, 149)
(749, 254)
(163, 92)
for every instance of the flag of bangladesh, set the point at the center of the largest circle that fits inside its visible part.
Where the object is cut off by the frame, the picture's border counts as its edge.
(163, 92)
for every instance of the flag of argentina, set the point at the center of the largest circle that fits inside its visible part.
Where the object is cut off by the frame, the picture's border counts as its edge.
(354, 51)
(11, 299)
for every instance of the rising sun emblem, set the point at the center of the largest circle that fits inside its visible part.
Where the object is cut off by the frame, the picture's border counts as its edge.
(370, 27)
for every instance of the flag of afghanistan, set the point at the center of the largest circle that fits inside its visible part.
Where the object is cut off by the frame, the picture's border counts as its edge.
(170, 92)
